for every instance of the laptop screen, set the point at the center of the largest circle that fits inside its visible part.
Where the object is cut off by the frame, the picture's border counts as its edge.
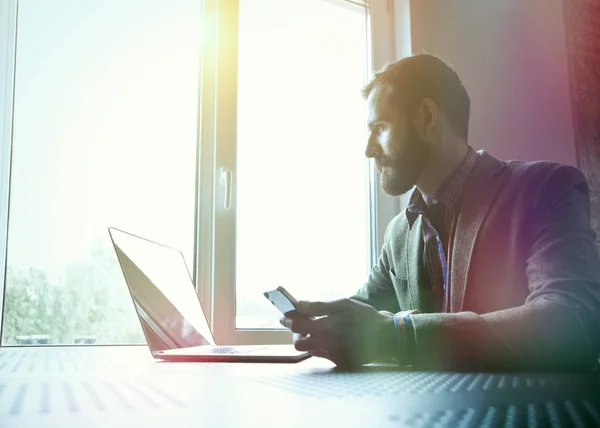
(163, 293)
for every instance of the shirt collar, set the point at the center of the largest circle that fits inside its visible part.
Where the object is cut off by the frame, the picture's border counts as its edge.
(449, 192)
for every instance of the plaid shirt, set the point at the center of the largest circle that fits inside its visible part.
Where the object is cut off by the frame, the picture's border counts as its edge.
(434, 253)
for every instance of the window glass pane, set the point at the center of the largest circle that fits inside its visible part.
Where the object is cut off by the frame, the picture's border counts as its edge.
(105, 125)
(302, 187)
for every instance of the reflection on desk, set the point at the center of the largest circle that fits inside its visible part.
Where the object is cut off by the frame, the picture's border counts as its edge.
(124, 386)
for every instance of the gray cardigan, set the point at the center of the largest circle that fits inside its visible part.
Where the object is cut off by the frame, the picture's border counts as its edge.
(525, 275)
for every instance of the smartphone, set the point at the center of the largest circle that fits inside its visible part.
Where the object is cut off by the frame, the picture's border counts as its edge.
(285, 302)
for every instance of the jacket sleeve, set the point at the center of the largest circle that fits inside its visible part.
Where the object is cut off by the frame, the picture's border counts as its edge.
(558, 327)
(378, 291)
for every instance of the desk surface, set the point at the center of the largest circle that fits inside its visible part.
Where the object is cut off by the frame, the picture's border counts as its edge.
(125, 386)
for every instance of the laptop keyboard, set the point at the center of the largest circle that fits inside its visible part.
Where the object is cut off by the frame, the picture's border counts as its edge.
(228, 350)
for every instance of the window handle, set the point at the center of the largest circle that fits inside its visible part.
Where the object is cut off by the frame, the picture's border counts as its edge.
(226, 176)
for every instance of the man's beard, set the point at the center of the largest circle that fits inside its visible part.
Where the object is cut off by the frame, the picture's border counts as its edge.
(400, 171)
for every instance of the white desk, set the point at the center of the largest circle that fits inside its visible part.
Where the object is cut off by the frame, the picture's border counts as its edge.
(124, 386)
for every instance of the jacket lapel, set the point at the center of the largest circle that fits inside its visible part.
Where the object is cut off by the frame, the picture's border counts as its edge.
(483, 185)
(414, 257)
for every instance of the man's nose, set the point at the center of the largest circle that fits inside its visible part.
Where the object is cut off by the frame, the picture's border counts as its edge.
(373, 148)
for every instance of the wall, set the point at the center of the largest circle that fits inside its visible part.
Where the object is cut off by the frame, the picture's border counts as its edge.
(511, 56)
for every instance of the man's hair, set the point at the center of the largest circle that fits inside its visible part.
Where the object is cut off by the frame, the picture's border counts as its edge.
(420, 76)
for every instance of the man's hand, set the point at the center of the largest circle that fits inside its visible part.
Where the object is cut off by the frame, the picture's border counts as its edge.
(349, 333)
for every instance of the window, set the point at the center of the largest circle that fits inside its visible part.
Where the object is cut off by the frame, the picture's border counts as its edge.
(302, 183)
(104, 133)
(296, 203)
(233, 130)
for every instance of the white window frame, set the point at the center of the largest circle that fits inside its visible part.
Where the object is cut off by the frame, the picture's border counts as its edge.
(215, 258)
(8, 37)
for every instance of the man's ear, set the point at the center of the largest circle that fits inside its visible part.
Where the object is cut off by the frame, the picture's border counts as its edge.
(426, 118)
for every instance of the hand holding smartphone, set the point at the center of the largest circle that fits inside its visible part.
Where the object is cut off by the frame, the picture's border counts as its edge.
(285, 302)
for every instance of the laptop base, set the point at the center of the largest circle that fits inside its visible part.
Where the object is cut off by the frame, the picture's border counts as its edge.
(250, 354)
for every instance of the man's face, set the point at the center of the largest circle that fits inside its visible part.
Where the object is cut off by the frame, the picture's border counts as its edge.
(399, 153)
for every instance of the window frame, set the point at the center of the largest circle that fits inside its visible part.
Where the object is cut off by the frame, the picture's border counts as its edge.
(216, 157)
(215, 276)
(8, 37)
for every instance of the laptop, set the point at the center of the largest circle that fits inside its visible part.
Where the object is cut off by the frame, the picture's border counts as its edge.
(169, 311)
